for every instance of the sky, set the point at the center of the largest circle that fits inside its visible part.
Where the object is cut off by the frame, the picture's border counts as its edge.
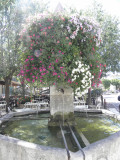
(110, 6)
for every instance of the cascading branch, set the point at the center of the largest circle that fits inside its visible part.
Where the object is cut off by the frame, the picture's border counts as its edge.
(60, 50)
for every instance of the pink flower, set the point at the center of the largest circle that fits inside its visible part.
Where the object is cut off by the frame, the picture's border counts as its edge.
(36, 77)
(67, 37)
(40, 80)
(49, 66)
(21, 71)
(54, 73)
(28, 79)
(33, 76)
(53, 83)
(31, 44)
(66, 73)
(33, 80)
(61, 67)
(58, 76)
(30, 47)
(58, 41)
(26, 60)
(32, 59)
(56, 60)
(42, 74)
(40, 61)
(33, 35)
(49, 27)
(59, 51)
(69, 81)
(62, 53)
(70, 43)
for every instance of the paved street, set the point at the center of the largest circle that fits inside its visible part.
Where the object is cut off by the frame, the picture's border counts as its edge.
(112, 101)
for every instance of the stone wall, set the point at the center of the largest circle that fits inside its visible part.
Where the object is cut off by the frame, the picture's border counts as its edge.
(14, 149)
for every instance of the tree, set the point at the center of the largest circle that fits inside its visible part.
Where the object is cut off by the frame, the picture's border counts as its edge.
(116, 83)
(12, 20)
(10, 45)
(106, 83)
(110, 46)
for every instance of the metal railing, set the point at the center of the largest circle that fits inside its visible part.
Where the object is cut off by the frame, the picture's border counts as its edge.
(76, 140)
(65, 143)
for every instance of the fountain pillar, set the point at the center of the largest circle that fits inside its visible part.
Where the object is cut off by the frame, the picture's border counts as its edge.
(61, 104)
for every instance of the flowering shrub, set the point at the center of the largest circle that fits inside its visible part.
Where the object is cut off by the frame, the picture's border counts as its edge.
(61, 50)
(23, 100)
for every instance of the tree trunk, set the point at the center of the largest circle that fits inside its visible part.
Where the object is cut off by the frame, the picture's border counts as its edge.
(7, 83)
(89, 96)
(23, 90)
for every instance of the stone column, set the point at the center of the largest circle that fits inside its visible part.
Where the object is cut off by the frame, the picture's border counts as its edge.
(61, 103)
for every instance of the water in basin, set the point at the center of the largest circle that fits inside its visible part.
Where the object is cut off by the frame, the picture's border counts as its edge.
(34, 128)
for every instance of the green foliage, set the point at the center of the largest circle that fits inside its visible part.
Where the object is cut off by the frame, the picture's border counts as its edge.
(11, 21)
(110, 46)
(115, 82)
(12, 17)
(106, 83)
(96, 92)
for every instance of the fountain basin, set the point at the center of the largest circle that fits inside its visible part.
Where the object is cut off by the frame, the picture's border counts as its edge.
(107, 148)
